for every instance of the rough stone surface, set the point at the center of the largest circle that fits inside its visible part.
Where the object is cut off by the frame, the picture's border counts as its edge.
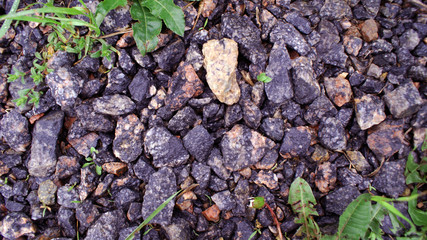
(161, 186)
(387, 138)
(242, 147)
(93, 121)
(66, 85)
(139, 87)
(66, 198)
(167, 58)
(335, 10)
(43, 148)
(332, 134)
(390, 179)
(199, 143)
(296, 142)
(14, 130)
(287, 34)
(212, 213)
(114, 105)
(220, 62)
(409, 40)
(369, 30)
(338, 200)
(358, 161)
(307, 88)
(267, 178)
(339, 90)
(118, 82)
(166, 149)
(184, 85)
(107, 226)
(321, 107)
(216, 162)
(326, 177)
(143, 170)
(15, 225)
(127, 145)
(404, 101)
(273, 128)
(369, 111)
(224, 200)
(279, 64)
(46, 192)
(67, 221)
(183, 119)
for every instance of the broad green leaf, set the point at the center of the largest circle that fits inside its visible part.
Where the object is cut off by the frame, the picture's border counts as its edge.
(397, 213)
(171, 14)
(98, 170)
(354, 221)
(152, 215)
(106, 6)
(377, 215)
(146, 30)
(302, 201)
(418, 216)
(7, 22)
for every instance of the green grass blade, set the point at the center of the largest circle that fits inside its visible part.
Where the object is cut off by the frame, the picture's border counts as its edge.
(396, 212)
(106, 6)
(7, 22)
(171, 14)
(69, 11)
(354, 221)
(152, 215)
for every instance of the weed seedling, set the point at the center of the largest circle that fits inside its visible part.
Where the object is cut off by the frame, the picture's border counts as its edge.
(259, 203)
(90, 161)
(262, 77)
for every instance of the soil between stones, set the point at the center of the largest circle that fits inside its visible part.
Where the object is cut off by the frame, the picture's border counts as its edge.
(348, 92)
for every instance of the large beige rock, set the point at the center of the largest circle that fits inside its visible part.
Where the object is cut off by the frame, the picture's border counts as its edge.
(220, 62)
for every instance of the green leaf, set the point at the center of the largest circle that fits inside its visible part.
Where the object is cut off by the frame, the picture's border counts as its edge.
(424, 146)
(58, 10)
(152, 215)
(6, 25)
(171, 14)
(146, 30)
(98, 170)
(377, 216)
(262, 77)
(106, 6)
(396, 212)
(302, 201)
(354, 221)
(257, 202)
(87, 164)
(418, 216)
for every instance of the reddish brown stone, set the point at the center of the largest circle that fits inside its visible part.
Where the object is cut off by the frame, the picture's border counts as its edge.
(66, 167)
(326, 177)
(339, 90)
(184, 85)
(116, 168)
(387, 138)
(267, 178)
(212, 213)
(83, 144)
(34, 118)
(369, 30)
(126, 40)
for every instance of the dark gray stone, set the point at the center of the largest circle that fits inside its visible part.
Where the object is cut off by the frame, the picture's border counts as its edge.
(126, 63)
(233, 114)
(66, 198)
(224, 200)
(418, 73)
(348, 177)
(114, 105)
(241, 195)
(217, 184)
(166, 149)
(335, 56)
(116, 19)
(179, 229)
(372, 6)
(126, 231)
(61, 59)
(67, 221)
(17, 224)
(13, 206)
(244, 230)
(242, 147)
(43, 160)
(300, 22)
(161, 186)
(199, 143)
(381, 46)
(183, 119)
(372, 86)
(124, 197)
(242, 30)
(332, 134)
(201, 174)
(296, 142)
(118, 82)
(319, 108)
(127, 145)
(216, 162)
(335, 10)
(139, 88)
(273, 128)
(338, 200)
(88, 64)
(369, 111)
(403, 101)
(168, 57)
(107, 226)
(307, 88)
(291, 110)
(86, 214)
(286, 33)
(66, 84)
(14, 130)
(146, 61)
(279, 64)
(251, 113)
(409, 39)
(390, 179)
(92, 121)
(143, 170)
